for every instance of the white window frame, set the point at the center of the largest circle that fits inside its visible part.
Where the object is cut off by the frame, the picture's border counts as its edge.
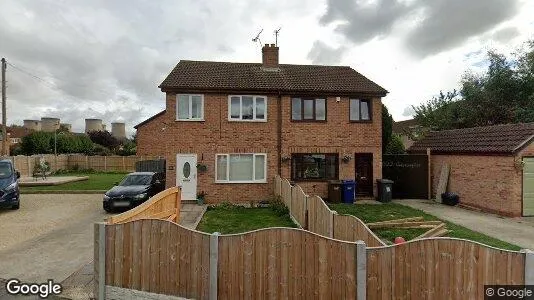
(240, 119)
(227, 180)
(190, 119)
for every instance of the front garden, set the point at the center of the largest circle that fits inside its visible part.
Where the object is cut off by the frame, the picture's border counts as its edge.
(229, 218)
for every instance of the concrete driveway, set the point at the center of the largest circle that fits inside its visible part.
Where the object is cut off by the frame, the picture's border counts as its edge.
(49, 237)
(517, 231)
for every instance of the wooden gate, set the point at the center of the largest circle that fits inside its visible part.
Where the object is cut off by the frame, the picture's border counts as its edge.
(410, 174)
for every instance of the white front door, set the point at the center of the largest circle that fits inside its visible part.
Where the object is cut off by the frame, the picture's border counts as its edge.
(186, 175)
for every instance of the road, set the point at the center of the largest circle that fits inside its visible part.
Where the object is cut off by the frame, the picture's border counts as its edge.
(49, 237)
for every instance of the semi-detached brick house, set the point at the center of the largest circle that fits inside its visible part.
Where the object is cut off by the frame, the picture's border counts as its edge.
(491, 167)
(243, 123)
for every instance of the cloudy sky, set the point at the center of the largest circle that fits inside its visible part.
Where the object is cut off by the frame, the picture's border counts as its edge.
(77, 59)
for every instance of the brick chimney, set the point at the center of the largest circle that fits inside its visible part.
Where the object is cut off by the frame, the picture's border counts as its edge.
(270, 56)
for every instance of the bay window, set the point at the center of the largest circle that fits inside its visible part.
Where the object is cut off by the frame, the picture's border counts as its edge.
(241, 168)
(314, 166)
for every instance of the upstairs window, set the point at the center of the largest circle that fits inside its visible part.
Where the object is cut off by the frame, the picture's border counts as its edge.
(308, 109)
(360, 110)
(247, 108)
(314, 166)
(189, 107)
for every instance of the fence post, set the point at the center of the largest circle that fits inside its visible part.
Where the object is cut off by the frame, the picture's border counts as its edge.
(529, 266)
(123, 164)
(429, 175)
(331, 229)
(105, 163)
(361, 270)
(214, 257)
(100, 260)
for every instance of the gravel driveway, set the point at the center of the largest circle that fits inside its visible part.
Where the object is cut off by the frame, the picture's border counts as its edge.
(49, 237)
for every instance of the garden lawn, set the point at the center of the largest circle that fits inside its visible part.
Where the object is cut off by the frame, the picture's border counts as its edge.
(236, 219)
(370, 213)
(96, 181)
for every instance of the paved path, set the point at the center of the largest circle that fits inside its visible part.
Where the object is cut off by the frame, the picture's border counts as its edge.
(517, 231)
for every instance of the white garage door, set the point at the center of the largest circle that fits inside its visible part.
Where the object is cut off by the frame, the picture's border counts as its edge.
(528, 186)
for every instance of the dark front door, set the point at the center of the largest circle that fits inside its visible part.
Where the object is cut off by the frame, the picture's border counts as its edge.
(364, 173)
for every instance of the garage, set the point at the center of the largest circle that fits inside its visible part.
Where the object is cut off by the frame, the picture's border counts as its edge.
(528, 186)
(491, 167)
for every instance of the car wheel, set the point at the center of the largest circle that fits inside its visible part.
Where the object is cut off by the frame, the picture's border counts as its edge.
(16, 206)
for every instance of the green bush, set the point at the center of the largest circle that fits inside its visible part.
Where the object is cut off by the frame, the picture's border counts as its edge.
(278, 206)
(43, 143)
(395, 145)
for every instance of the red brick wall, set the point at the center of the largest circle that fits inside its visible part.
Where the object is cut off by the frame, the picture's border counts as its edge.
(486, 182)
(217, 135)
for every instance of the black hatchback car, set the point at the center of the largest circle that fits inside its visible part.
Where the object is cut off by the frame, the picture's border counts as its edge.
(9, 186)
(133, 190)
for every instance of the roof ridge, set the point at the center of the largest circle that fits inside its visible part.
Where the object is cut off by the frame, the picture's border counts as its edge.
(255, 63)
(487, 126)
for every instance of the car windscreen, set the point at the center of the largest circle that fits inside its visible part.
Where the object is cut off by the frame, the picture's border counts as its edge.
(136, 180)
(6, 170)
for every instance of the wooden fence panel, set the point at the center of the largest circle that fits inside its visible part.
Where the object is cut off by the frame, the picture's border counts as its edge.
(163, 205)
(298, 205)
(279, 263)
(320, 217)
(350, 228)
(25, 164)
(440, 268)
(159, 257)
(286, 192)
(277, 186)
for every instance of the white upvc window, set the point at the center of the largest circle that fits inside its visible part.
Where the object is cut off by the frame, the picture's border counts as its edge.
(241, 168)
(189, 107)
(247, 108)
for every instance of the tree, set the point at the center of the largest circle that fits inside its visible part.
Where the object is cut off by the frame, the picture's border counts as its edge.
(37, 143)
(43, 142)
(503, 94)
(395, 145)
(104, 138)
(387, 127)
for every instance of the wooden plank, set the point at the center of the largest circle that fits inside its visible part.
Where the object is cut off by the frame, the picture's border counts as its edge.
(117, 275)
(136, 255)
(146, 227)
(155, 248)
(396, 221)
(443, 182)
(423, 224)
(172, 218)
(127, 255)
(431, 231)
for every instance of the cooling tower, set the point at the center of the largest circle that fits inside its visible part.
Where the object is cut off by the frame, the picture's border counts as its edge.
(32, 125)
(118, 130)
(49, 124)
(93, 125)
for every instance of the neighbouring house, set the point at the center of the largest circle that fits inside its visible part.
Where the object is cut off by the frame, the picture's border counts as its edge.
(15, 135)
(409, 131)
(491, 168)
(229, 128)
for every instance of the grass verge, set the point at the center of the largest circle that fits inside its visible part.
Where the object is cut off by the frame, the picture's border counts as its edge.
(227, 218)
(96, 181)
(369, 213)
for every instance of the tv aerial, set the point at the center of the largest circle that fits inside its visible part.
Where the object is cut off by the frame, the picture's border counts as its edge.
(276, 32)
(257, 38)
